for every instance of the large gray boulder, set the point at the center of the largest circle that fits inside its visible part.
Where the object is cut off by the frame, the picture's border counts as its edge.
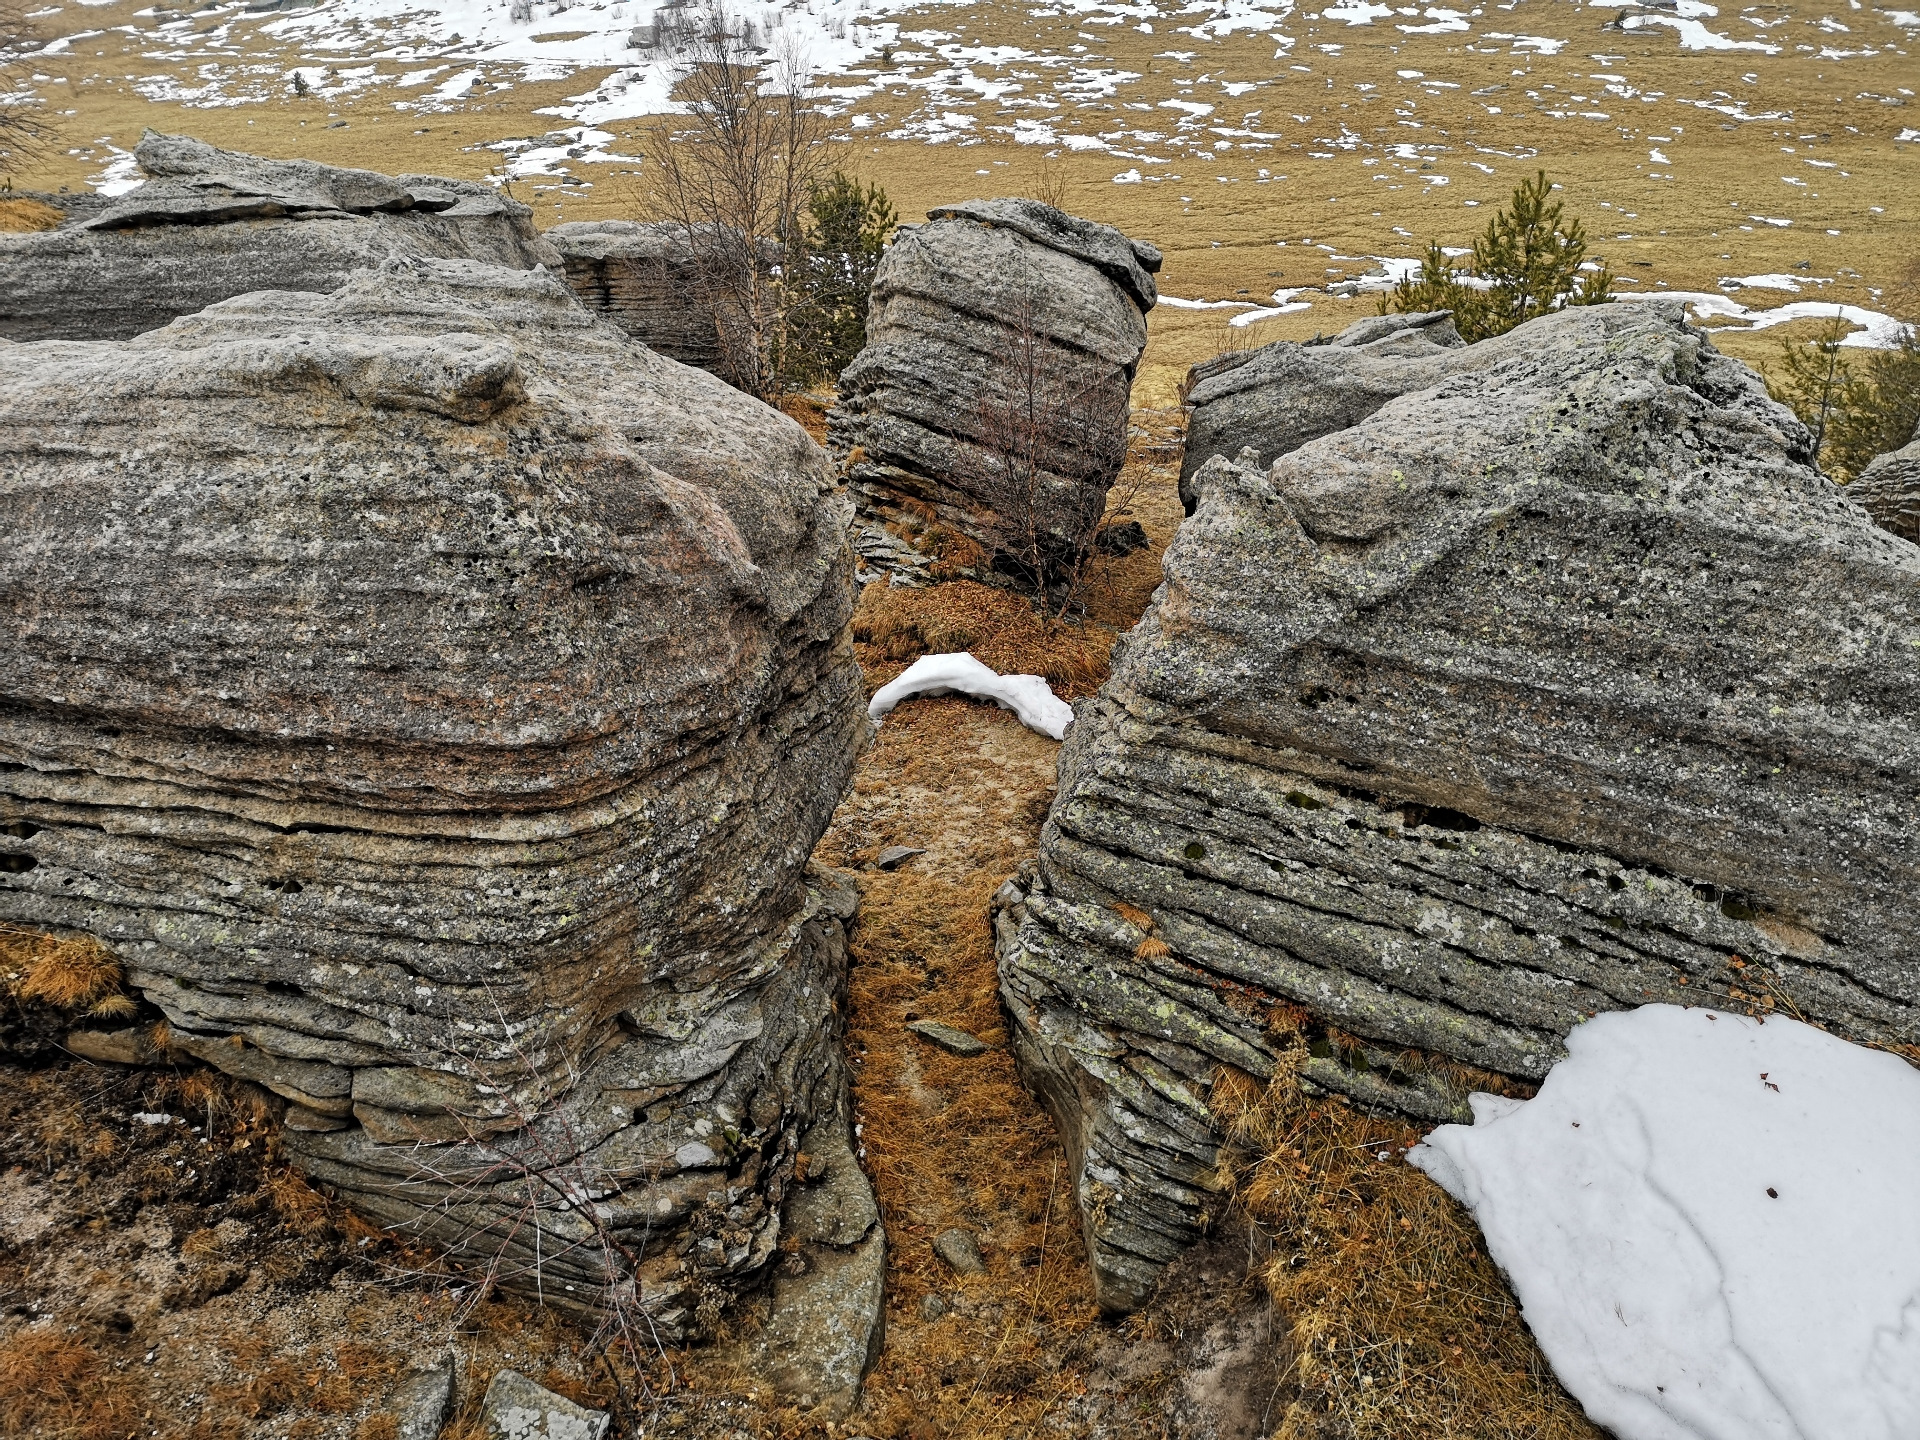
(991, 399)
(1564, 685)
(432, 697)
(1275, 399)
(645, 278)
(210, 224)
(1889, 490)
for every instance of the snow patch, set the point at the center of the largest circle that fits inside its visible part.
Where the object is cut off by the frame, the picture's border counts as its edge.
(1028, 696)
(1709, 1222)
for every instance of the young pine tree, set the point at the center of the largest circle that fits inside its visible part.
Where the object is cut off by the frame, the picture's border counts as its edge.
(1526, 263)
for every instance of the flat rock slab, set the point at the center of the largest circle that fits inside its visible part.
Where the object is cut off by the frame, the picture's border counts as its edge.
(210, 224)
(948, 1038)
(960, 1251)
(894, 856)
(421, 1404)
(515, 1408)
(825, 1325)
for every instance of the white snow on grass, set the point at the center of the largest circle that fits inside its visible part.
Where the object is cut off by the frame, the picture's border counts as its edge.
(1877, 331)
(1711, 1224)
(1028, 696)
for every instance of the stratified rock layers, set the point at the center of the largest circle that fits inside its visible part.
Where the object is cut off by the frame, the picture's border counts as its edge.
(433, 698)
(991, 397)
(1561, 686)
(211, 224)
(645, 278)
(1889, 490)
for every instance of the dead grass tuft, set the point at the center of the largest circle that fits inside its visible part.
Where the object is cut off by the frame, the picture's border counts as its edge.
(1399, 1322)
(303, 1210)
(898, 625)
(68, 974)
(54, 1387)
(21, 216)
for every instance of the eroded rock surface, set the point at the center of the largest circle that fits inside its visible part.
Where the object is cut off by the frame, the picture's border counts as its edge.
(210, 224)
(1275, 399)
(644, 278)
(433, 697)
(991, 398)
(1563, 685)
(1889, 490)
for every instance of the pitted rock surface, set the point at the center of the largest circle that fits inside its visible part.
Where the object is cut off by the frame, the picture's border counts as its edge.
(433, 698)
(1563, 685)
(1275, 399)
(211, 224)
(991, 398)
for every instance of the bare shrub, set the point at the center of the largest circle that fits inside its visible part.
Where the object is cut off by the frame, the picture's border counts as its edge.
(1051, 442)
(737, 178)
(24, 128)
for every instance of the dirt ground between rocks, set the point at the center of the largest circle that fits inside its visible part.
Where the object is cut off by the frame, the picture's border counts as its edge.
(163, 1274)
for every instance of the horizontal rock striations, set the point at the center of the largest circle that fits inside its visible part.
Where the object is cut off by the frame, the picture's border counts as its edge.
(1564, 685)
(1277, 398)
(645, 278)
(1889, 490)
(991, 398)
(211, 224)
(432, 697)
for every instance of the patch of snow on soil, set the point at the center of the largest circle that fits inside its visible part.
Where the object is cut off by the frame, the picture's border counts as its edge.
(1878, 331)
(1710, 1223)
(1028, 696)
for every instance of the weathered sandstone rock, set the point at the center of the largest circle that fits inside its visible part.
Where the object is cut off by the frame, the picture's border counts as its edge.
(1277, 398)
(1889, 490)
(644, 278)
(211, 224)
(433, 697)
(1564, 685)
(991, 397)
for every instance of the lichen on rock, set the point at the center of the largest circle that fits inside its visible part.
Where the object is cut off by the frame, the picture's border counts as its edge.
(1559, 685)
(432, 698)
(991, 399)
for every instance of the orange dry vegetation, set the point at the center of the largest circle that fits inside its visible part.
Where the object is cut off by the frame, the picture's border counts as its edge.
(955, 1142)
(57, 1388)
(69, 974)
(1399, 1322)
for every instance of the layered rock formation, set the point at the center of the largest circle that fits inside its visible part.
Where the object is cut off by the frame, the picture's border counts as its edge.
(644, 278)
(1889, 490)
(1563, 685)
(1275, 399)
(211, 224)
(432, 697)
(991, 398)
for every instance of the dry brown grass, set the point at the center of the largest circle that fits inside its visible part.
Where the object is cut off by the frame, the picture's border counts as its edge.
(55, 1387)
(951, 1141)
(1003, 630)
(20, 216)
(74, 973)
(1400, 1324)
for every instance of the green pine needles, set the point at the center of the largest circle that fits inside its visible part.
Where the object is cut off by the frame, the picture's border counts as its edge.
(1527, 263)
(1857, 403)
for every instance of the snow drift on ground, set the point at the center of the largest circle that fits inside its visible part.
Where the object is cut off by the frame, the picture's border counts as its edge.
(1028, 696)
(1713, 1225)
